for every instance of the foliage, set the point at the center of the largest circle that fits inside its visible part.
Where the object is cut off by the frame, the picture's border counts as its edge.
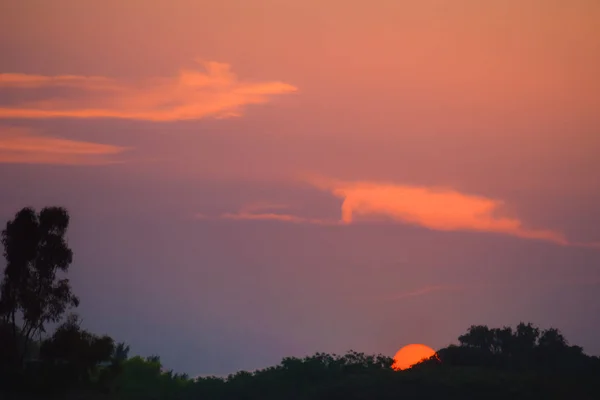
(524, 348)
(31, 292)
(76, 352)
(493, 363)
(461, 372)
(144, 378)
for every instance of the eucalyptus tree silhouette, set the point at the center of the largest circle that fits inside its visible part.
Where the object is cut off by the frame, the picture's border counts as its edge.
(32, 293)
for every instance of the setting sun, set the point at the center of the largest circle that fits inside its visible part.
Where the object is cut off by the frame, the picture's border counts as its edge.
(410, 355)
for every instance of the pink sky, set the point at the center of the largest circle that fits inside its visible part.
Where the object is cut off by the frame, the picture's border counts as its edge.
(437, 154)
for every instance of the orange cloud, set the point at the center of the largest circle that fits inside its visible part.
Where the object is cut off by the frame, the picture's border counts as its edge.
(277, 217)
(263, 211)
(192, 94)
(27, 81)
(264, 216)
(434, 208)
(439, 209)
(23, 147)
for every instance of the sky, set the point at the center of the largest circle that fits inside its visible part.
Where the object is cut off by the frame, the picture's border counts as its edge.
(254, 179)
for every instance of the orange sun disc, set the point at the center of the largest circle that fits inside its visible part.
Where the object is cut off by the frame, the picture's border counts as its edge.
(410, 355)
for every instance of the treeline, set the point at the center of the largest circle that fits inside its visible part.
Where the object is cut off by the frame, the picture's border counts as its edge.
(487, 363)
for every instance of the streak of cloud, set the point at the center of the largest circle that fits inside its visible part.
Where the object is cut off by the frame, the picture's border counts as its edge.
(21, 146)
(264, 211)
(263, 206)
(264, 216)
(192, 94)
(30, 81)
(439, 209)
(425, 290)
(277, 217)
(420, 292)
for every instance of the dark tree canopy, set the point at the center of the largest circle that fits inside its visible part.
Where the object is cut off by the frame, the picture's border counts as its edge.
(32, 293)
(523, 362)
(76, 353)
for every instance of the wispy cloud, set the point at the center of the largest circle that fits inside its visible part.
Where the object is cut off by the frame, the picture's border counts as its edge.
(264, 217)
(263, 206)
(278, 217)
(420, 292)
(22, 146)
(589, 245)
(214, 91)
(425, 290)
(264, 211)
(29, 81)
(440, 209)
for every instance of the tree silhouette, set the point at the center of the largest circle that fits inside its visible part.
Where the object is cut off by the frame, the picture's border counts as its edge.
(494, 363)
(76, 351)
(31, 291)
(525, 338)
(478, 337)
(121, 352)
(552, 339)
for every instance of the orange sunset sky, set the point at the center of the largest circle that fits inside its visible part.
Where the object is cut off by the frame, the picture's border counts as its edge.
(252, 179)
